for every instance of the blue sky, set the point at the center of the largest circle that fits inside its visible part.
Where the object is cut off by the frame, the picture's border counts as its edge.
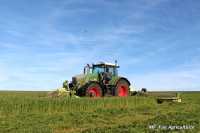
(156, 42)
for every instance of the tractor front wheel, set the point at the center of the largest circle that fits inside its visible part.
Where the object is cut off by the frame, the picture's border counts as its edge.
(122, 88)
(94, 90)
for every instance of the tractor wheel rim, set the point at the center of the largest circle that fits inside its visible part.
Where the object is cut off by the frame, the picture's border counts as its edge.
(123, 91)
(94, 92)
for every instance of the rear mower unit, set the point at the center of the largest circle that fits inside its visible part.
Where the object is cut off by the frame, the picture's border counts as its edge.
(100, 79)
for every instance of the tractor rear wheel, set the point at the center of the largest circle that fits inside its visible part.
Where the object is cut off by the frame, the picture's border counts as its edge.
(122, 88)
(94, 90)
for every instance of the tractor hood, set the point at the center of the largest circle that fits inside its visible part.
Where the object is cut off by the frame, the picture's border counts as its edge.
(77, 78)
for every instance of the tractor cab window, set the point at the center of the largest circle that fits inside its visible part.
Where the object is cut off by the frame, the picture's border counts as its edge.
(98, 69)
(111, 70)
(105, 69)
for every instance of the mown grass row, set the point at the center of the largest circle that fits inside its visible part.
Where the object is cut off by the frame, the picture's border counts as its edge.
(35, 112)
(22, 104)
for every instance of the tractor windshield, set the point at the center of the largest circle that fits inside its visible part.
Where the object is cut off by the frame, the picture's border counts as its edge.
(98, 69)
(112, 70)
(107, 69)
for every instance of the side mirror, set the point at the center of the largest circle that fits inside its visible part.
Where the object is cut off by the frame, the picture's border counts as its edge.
(84, 70)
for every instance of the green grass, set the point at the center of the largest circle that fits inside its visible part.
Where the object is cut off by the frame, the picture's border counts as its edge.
(34, 112)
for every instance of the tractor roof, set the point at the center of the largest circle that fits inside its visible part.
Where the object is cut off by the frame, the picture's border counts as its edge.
(105, 64)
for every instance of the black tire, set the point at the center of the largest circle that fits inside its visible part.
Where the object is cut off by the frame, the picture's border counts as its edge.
(122, 88)
(94, 90)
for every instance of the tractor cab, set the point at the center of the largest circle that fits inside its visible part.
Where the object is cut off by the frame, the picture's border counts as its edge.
(105, 68)
(102, 67)
(105, 71)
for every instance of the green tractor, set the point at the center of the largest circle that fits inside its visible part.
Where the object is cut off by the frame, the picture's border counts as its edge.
(99, 80)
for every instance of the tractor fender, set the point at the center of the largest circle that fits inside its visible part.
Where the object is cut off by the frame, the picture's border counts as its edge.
(91, 82)
(122, 78)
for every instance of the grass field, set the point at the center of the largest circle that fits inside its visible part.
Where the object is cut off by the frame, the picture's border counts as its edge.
(34, 112)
